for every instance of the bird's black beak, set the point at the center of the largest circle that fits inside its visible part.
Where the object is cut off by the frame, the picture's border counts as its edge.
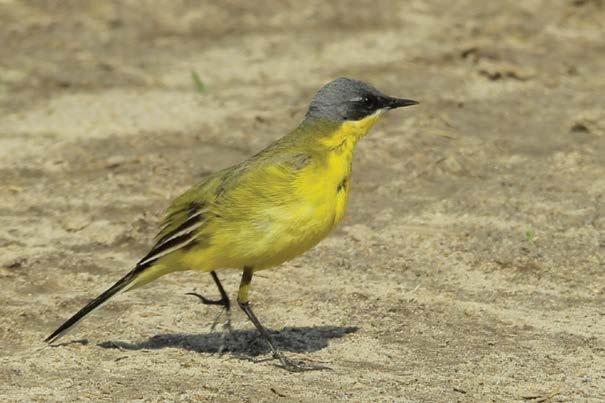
(392, 103)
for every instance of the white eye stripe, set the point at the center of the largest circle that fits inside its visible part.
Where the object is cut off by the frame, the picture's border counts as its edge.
(356, 99)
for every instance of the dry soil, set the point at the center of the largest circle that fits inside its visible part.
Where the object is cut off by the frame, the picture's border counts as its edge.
(470, 266)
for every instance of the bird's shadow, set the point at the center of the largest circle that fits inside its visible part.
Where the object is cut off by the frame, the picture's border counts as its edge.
(242, 342)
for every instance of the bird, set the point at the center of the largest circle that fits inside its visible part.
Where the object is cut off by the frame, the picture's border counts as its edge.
(265, 210)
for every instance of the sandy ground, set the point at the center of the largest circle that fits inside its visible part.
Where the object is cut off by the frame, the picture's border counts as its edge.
(470, 266)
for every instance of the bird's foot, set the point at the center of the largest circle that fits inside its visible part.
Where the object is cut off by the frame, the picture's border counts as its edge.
(207, 301)
(224, 302)
(298, 366)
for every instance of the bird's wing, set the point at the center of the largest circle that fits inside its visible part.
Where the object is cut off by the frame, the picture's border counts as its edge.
(214, 195)
(183, 219)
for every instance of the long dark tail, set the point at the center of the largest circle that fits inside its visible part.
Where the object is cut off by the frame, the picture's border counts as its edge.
(123, 282)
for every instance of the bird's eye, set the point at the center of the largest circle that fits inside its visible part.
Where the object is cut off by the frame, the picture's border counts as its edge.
(369, 102)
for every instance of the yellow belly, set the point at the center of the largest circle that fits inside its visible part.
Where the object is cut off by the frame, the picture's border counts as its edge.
(322, 194)
(280, 233)
(275, 232)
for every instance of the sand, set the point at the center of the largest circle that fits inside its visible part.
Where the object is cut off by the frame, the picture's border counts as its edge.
(470, 265)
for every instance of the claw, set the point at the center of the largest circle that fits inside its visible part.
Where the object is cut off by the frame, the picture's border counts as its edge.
(207, 301)
(298, 366)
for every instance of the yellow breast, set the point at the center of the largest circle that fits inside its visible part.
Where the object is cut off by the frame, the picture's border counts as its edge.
(322, 192)
(318, 203)
(341, 145)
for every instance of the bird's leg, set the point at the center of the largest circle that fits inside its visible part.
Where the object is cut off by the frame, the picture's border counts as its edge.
(225, 302)
(244, 303)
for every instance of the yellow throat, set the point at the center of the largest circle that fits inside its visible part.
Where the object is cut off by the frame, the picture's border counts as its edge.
(349, 132)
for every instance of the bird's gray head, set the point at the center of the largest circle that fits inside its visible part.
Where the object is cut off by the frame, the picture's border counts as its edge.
(347, 99)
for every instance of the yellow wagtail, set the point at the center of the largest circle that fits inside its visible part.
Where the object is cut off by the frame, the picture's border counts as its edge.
(267, 209)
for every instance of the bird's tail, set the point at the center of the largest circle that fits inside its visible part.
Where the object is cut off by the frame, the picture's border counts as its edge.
(110, 292)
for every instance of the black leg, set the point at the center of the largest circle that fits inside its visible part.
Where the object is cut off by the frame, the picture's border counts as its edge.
(224, 301)
(244, 303)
